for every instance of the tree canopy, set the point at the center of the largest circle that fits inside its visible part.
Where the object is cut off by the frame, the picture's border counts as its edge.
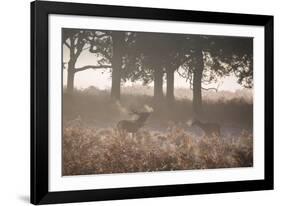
(132, 56)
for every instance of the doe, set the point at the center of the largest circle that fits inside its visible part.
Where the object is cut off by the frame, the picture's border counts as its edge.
(210, 129)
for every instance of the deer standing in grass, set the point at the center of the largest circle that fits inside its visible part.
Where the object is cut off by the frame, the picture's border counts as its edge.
(132, 126)
(210, 129)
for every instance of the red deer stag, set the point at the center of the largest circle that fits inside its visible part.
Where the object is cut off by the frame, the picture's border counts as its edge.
(132, 126)
(210, 129)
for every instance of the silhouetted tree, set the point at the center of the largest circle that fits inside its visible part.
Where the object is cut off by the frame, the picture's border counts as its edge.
(111, 46)
(216, 56)
(174, 56)
(118, 41)
(155, 54)
(76, 41)
(148, 59)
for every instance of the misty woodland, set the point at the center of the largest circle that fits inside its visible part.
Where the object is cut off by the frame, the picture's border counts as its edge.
(158, 102)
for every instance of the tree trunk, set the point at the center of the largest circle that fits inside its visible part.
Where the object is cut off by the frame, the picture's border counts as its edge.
(197, 78)
(170, 85)
(117, 39)
(158, 83)
(116, 80)
(70, 77)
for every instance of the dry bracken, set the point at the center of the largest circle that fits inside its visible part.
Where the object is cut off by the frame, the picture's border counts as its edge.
(90, 150)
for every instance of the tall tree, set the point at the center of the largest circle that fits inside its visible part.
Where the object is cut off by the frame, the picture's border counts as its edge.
(216, 56)
(157, 53)
(174, 56)
(76, 41)
(174, 60)
(197, 79)
(111, 45)
(118, 41)
(149, 67)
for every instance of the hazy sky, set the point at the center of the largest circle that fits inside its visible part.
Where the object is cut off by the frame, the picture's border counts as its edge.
(101, 78)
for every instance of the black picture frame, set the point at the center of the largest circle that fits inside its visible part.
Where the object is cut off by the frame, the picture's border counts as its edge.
(40, 113)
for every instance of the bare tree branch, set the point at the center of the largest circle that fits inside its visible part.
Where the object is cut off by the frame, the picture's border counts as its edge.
(211, 88)
(206, 89)
(92, 67)
(79, 49)
(104, 53)
(86, 48)
(66, 44)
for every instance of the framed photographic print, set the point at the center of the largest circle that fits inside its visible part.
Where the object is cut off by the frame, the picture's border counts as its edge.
(133, 102)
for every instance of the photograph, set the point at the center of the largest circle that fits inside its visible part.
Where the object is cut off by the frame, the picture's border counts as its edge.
(133, 102)
(136, 101)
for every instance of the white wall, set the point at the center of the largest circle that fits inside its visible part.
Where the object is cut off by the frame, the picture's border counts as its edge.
(14, 102)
